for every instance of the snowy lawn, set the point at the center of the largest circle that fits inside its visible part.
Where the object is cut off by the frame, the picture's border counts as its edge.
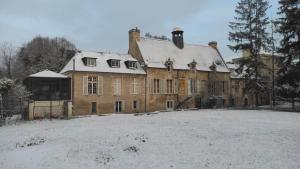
(215, 139)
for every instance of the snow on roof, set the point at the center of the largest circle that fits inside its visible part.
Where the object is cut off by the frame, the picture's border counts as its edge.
(101, 63)
(233, 74)
(156, 52)
(48, 74)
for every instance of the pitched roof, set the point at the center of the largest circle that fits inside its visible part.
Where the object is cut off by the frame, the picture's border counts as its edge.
(101, 63)
(48, 74)
(156, 52)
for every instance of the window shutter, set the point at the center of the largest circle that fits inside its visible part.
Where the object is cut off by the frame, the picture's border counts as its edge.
(115, 85)
(84, 85)
(123, 106)
(131, 86)
(198, 86)
(161, 86)
(151, 87)
(100, 85)
(189, 87)
(175, 81)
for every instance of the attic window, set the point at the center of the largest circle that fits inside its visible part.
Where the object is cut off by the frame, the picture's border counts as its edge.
(131, 64)
(89, 62)
(192, 65)
(169, 64)
(113, 63)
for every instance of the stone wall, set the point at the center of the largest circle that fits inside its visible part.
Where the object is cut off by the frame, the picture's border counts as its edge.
(106, 101)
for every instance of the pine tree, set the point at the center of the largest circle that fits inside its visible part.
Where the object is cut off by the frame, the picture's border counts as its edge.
(249, 33)
(289, 28)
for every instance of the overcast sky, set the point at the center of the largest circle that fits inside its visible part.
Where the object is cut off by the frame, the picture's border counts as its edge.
(102, 25)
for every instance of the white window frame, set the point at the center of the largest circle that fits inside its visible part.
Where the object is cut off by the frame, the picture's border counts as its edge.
(115, 63)
(156, 86)
(192, 86)
(168, 105)
(92, 82)
(170, 86)
(132, 65)
(117, 107)
(91, 62)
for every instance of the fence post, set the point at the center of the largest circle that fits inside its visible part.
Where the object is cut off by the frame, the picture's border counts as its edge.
(70, 110)
(30, 111)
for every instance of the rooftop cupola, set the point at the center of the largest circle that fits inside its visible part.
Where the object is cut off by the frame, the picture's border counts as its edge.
(177, 37)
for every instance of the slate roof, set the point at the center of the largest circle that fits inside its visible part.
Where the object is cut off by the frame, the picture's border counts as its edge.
(101, 63)
(156, 52)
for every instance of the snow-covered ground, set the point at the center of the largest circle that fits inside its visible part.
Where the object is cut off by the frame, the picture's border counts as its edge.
(214, 139)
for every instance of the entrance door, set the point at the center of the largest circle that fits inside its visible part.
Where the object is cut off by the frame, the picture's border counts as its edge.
(94, 107)
(118, 106)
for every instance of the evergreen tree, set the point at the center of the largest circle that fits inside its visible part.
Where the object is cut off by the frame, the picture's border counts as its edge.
(289, 28)
(249, 33)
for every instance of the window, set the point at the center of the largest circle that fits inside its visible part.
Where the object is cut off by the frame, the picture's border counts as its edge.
(94, 107)
(131, 65)
(115, 63)
(118, 106)
(169, 64)
(192, 86)
(156, 86)
(170, 88)
(117, 86)
(169, 67)
(170, 105)
(134, 105)
(91, 62)
(92, 85)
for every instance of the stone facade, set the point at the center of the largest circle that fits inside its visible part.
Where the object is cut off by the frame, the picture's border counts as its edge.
(160, 88)
(106, 100)
(198, 98)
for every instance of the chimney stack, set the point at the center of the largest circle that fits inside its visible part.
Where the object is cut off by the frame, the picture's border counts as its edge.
(177, 37)
(213, 44)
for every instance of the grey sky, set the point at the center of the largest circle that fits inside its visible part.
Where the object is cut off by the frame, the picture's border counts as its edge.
(103, 25)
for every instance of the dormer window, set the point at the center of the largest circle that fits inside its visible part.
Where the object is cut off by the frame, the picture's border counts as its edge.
(192, 65)
(89, 62)
(169, 65)
(213, 67)
(131, 64)
(113, 63)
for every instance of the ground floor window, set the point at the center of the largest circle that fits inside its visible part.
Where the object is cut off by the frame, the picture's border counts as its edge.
(170, 105)
(134, 105)
(118, 106)
(94, 107)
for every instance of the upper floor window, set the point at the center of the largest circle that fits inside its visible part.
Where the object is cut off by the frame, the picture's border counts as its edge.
(169, 64)
(131, 64)
(192, 65)
(113, 63)
(89, 61)
(156, 86)
(170, 87)
(192, 86)
(92, 85)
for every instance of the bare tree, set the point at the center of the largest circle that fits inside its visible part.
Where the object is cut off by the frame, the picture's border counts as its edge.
(7, 55)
